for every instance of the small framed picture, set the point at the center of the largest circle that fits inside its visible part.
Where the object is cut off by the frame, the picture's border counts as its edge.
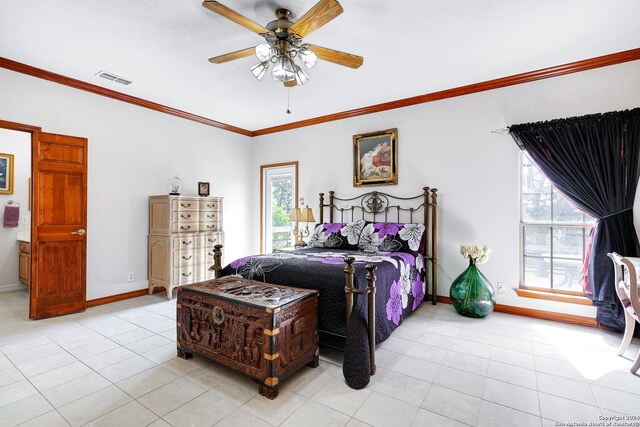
(6, 173)
(375, 158)
(203, 189)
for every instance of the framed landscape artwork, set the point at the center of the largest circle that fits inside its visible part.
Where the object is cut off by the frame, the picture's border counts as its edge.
(6, 173)
(375, 158)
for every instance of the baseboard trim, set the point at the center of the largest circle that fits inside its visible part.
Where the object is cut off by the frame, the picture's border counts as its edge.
(537, 314)
(120, 297)
(12, 287)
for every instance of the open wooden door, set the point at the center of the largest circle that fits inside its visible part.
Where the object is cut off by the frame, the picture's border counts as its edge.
(59, 223)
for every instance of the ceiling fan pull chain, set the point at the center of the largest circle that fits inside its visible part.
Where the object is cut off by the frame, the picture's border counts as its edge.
(288, 92)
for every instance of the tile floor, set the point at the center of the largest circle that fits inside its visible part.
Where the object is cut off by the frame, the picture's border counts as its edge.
(115, 365)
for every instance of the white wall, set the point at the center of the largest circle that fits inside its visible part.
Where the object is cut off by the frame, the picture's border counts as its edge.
(18, 144)
(133, 153)
(449, 145)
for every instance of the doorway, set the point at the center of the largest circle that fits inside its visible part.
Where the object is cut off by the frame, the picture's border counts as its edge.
(57, 233)
(278, 197)
(15, 201)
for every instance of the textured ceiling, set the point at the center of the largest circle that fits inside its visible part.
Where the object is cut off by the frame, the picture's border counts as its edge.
(409, 47)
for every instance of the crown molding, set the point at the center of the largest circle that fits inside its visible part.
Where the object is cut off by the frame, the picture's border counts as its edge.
(99, 90)
(544, 73)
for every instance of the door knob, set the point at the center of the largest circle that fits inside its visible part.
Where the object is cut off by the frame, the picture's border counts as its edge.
(80, 232)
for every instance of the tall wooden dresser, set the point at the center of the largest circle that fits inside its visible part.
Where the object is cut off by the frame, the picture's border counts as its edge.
(182, 233)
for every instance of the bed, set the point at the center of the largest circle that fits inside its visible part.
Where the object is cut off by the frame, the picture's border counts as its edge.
(373, 262)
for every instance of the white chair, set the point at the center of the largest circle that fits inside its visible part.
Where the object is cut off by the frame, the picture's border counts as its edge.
(627, 290)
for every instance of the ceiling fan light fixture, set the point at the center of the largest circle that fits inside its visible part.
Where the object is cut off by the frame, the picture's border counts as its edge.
(284, 70)
(301, 76)
(263, 51)
(308, 57)
(260, 69)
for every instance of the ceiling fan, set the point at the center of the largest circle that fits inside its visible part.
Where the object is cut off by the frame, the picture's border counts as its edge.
(283, 42)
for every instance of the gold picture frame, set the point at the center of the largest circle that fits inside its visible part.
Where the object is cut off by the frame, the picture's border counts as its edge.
(375, 158)
(6, 173)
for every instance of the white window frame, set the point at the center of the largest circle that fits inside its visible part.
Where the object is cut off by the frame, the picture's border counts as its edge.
(269, 172)
(551, 225)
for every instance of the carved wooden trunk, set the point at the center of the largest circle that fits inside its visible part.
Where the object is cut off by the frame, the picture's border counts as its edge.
(264, 331)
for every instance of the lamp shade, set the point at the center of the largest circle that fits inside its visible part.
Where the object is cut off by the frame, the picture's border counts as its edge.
(296, 215)
(307, 215)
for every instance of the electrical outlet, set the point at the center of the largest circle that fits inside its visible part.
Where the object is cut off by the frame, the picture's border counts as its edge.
(24, 219)
(501, 288)
(131, 277)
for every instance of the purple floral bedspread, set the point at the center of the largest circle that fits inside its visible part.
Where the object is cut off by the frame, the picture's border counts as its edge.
(399, 290)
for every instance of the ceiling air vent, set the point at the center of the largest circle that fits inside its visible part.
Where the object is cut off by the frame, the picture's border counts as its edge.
(113, 78)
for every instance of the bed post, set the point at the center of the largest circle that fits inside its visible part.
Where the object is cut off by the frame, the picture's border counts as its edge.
(371, 290)
(321, 208)
(434, 240)
(330, 206)
(217, 261)
(348, 289)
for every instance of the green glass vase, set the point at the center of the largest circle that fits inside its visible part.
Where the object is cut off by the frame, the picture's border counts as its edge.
(471, 293)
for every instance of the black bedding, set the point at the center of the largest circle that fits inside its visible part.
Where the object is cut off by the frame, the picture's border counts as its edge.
(399, 290)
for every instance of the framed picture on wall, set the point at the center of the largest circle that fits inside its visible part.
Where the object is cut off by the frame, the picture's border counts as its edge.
(375, 158)
(203, 189)
(6, 173)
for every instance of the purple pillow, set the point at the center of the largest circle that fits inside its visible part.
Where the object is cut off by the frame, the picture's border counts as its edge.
(337, 235)
(392, 237)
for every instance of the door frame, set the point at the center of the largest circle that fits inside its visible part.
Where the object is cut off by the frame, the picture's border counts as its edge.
(33, 130)
(262, 171)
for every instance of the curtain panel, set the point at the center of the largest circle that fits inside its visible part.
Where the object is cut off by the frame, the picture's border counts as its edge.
(594, 161)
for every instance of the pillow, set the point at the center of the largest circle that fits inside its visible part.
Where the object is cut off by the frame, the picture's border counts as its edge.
(337, 235)
(392, 237)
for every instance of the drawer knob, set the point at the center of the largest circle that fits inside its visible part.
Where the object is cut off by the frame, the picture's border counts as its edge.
(213, 241)
(185, 217)
(211, 216)
(184, 242)
(187, 275)
(182, 227)
(187, 257)
(188, 205)
(210, 227)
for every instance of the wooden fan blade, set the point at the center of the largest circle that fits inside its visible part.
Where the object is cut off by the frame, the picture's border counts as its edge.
(233, 55)
(234, 16)
(323, 12)
(337, 57)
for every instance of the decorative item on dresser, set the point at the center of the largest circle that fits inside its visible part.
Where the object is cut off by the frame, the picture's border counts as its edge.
(203, 189)
(183, 233)
(264, 331)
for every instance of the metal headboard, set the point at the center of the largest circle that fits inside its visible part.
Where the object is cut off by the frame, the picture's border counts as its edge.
(384, 207)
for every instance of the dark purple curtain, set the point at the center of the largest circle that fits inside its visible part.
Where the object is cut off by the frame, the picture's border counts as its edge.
(594, 161)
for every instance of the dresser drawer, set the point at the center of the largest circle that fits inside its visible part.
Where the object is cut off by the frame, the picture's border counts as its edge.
(182, 204)
(212, 239)
(208, 216)
(187, 274)
(25, 247)
(184, 227)
(210, 226)
(186, 258)
(185, 216)
(210, 205)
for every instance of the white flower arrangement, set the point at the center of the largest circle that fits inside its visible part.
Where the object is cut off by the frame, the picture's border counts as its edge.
(475, 253)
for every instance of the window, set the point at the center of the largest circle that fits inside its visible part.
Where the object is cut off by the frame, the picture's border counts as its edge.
(554, 235)
(279, 188)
